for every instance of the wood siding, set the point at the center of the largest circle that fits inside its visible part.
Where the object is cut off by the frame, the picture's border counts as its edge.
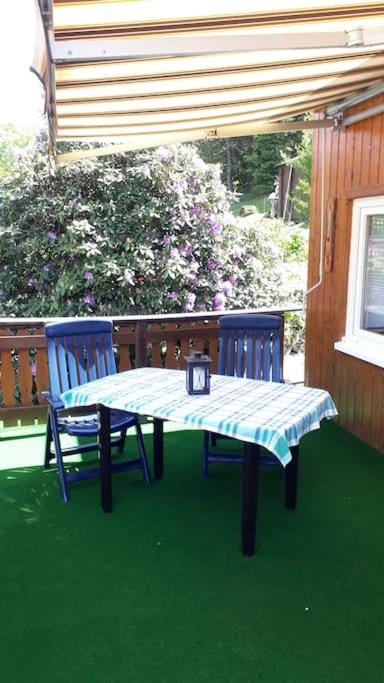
(353, 159)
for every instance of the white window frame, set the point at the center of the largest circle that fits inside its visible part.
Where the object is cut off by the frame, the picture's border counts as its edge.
(367, 346)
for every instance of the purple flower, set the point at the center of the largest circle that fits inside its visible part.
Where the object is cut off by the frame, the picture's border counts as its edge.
(215, 228)
(192, 278)
(185, 216)
(196, 211)
(167, 239)
(88, 275)
(200, 306)
(174, 252)
(212, 263)
(226, 287)
(186, 251)
(89, 299)
(32, 281)
(218, 301)
(163, 153)
(173, 296)
(191, 298)
(237, 252)
(194, 266)
(52, 235)
(46, 269)
(177, 186)
(232, 279)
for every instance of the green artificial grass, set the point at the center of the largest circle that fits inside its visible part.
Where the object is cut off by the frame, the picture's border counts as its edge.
(159, 590)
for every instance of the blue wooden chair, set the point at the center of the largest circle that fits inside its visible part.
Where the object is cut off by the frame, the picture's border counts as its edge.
(249, 346)
(80, 351)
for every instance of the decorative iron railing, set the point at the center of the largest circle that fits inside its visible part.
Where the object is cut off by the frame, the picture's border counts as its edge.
(157, 340)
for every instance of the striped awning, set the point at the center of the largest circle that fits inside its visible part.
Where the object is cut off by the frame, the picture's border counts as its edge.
(142, 73)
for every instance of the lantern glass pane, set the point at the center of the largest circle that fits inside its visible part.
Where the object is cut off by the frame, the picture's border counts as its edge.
(198, 378)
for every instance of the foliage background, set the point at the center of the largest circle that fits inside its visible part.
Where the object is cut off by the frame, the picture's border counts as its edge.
(140, 232)
(137, 233)
(250, 164)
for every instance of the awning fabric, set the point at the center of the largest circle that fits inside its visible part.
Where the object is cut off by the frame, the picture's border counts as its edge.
(146, 72)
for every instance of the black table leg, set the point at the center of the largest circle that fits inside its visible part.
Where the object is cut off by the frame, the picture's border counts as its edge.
(249, 506)
(291, 472)
(158, 448)
(104, 417)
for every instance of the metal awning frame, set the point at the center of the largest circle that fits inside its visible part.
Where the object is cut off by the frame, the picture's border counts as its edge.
(68, 50)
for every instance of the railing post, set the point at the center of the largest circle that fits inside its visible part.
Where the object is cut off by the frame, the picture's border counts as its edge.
(141, 345)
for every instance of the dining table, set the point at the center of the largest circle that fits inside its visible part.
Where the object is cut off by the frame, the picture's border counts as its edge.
(258, 413)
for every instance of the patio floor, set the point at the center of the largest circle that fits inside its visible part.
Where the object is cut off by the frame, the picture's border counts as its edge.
(159, 591)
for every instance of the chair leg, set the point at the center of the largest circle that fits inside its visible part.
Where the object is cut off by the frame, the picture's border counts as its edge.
(48, 441)
(59, 459)
(143, 454)
(205, 454)
(122, 441)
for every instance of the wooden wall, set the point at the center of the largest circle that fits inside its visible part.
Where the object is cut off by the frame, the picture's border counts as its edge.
(353, 167)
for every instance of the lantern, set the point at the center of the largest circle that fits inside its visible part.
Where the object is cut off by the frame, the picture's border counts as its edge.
(198, 374)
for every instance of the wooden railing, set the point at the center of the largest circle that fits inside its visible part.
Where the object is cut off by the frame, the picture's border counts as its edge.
(156, 340)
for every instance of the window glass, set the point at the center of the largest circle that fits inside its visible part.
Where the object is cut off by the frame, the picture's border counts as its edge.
(372, 313)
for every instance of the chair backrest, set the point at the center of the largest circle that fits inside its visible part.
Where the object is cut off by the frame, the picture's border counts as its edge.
(250, 346)
(78, 352)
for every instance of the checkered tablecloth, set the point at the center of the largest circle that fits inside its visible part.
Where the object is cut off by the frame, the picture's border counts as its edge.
(273, 415)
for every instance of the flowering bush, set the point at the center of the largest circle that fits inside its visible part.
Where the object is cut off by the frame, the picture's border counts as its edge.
(136, 233)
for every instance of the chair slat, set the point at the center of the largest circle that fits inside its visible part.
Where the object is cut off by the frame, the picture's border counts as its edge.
(240, 347)
(54, 377)
(266, 355)
(231, 351)
(90, 348)
(71, 361)
(109, 355)
(61, 356)
(100, 356)
(250, 351)
(276, 358)
(81, 359)
(258, 357)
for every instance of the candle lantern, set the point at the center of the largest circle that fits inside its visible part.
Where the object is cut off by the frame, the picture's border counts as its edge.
(198, 374)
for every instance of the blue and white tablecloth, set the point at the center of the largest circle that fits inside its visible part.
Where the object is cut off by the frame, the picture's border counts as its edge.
(273, 415)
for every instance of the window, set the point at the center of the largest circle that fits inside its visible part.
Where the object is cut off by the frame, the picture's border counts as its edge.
(364, 337)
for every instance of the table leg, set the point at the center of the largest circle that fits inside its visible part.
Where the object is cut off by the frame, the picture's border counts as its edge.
(158, 448)
(291, 472)
(104, 418)
(249, 505)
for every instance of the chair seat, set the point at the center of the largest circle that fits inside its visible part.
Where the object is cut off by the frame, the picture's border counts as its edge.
(88, 424)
